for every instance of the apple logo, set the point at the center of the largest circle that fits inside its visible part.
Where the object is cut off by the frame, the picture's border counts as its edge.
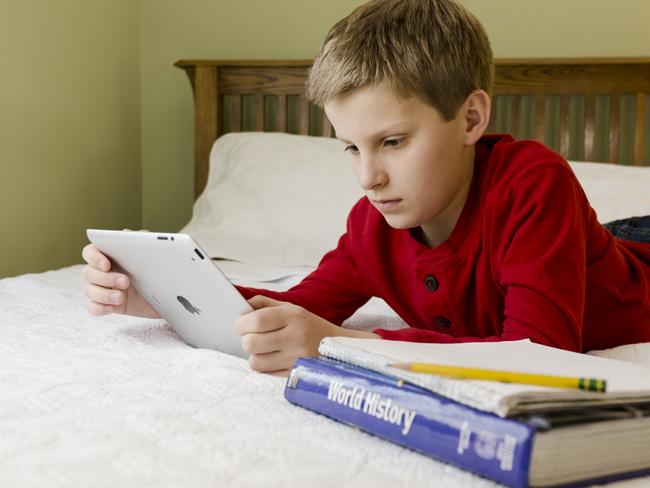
(186, 303)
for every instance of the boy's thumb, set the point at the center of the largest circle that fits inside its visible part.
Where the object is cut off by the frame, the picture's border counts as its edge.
(260, 301)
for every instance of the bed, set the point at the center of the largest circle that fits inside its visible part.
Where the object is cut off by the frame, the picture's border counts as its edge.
(122, 401)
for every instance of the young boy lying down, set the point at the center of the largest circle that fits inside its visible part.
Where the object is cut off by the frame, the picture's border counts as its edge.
(467, 237)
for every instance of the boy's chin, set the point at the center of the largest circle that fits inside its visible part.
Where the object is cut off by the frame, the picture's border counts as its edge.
(400, 222)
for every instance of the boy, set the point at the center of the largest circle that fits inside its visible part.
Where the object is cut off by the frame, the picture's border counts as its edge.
(466, 237)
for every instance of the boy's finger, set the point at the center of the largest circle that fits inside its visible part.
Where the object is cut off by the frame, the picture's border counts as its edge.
(260, 301)
(262, 320)
(104, 296)
(98, 309)
(270, 362)
(263, 342)
(92, 256)
(108, 280)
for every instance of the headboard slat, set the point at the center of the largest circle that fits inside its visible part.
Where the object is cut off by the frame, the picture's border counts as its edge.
(565, 118)
(614, 127)
(540, 116)
(639, 128)
(304, 116)
(259, 112)
(281, 114)
(515, 115)
(235, 113)
(590, 110)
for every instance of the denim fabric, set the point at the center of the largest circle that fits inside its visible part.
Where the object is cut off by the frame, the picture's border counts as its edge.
(633, 229)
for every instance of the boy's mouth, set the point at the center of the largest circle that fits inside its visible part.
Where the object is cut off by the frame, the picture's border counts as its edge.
(386, 205)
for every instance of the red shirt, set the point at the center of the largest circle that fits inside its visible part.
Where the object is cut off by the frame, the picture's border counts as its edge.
(526, 259)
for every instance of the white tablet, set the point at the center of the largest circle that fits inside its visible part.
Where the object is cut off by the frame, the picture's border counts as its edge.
(181, 282)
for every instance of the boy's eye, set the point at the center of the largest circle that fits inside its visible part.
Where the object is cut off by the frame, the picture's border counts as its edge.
(388, 142)
(393, 142)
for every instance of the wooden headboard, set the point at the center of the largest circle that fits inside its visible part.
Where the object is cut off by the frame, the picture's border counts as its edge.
(587, 109)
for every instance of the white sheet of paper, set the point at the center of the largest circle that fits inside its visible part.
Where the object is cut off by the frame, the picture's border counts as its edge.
(624, 380)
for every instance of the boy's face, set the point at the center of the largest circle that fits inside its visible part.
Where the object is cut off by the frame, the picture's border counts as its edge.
(415, 167)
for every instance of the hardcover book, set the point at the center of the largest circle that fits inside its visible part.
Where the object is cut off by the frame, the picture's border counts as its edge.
(549, 449)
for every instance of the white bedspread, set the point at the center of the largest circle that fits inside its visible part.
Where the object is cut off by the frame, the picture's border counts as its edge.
(121, 401)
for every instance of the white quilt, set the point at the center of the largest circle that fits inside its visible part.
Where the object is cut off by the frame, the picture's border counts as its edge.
(121, 401)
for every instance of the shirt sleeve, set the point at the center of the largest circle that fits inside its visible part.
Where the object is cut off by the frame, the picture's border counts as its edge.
(540, 263)
(334, 291)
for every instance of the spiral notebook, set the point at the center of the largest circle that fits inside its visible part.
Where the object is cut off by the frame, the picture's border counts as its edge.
(627, 383)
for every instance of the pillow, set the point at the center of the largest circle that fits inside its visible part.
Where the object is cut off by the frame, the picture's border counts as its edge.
(634, 353)
(274, 199)
(615, 191)
(277, 199)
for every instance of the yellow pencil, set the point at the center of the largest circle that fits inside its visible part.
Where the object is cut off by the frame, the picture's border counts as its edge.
(588, 384)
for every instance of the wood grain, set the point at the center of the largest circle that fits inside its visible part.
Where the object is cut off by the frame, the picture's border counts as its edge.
(639, 128)
(540, 78)
(259, 112)
(206, 120)
(565, 129)
(590, 114)
(614, 127)
(516, 116)
(304, 116)
(235, 114)
(281, 114)
(540, 116)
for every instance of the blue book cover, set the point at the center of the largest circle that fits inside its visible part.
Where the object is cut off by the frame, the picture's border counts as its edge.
(480, 442)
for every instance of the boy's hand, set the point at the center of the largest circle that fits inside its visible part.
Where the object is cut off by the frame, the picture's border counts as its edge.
(277, 333)
(109, 290)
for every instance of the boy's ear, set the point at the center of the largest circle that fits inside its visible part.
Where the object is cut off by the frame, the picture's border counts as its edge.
(477, 115)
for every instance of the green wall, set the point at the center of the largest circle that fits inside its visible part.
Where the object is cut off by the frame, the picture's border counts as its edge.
(224, 29)
(69, 127)
(286, 29)
(96, 125)
(565, 28)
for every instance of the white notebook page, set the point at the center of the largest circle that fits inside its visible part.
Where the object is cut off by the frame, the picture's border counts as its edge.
(625, 381)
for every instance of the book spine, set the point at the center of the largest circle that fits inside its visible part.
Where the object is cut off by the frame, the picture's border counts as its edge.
(433, 425)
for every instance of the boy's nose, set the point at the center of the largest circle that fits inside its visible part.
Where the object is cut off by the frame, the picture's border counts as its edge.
(371, 175)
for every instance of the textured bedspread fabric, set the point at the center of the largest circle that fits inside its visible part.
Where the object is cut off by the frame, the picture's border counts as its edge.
(121, 401)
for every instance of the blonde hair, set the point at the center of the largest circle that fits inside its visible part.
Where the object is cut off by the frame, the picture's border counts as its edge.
(433, 49)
